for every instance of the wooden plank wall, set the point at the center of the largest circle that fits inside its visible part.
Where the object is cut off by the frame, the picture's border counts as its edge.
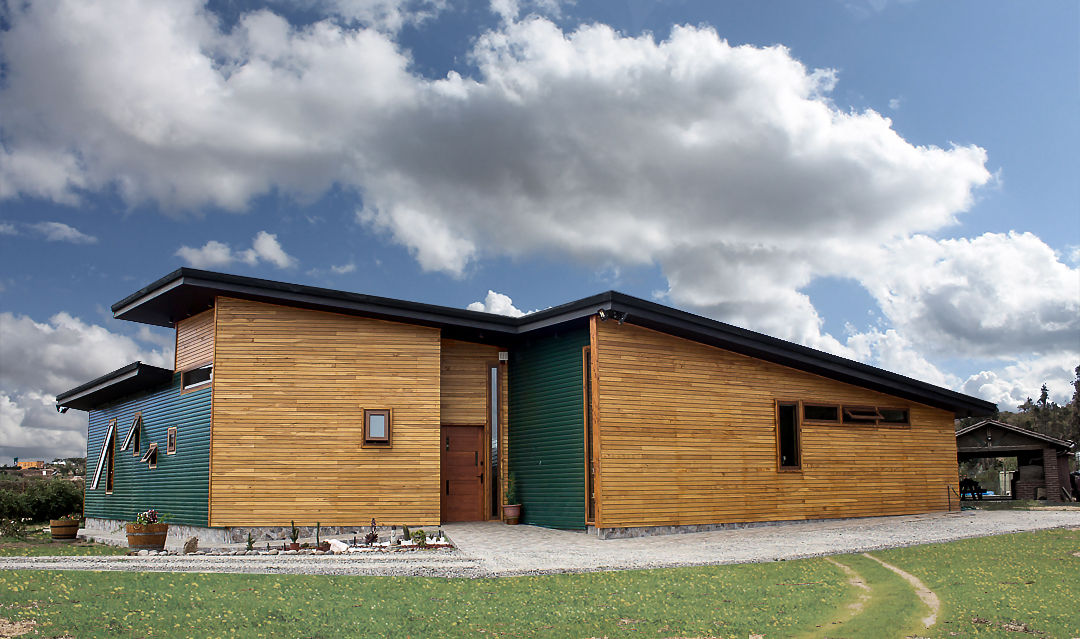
(290, 386)
(464, 395)
(195, 341)
(687, 436)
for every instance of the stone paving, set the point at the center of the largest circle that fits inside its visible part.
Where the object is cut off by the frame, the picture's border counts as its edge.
(494, 549)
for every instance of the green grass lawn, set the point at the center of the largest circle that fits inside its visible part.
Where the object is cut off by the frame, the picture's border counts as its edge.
(984, 585)
(37, 542)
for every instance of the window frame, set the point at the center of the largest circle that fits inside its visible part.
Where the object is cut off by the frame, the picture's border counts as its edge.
(839, 412)
(382, 442)
(189, 388)
(134, 435)
(170, 441)
(151, 457)
(797, 405)
(107, 445)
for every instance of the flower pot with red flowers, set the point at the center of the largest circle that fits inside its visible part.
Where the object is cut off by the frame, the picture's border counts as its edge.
(65, 528)
(148, 532)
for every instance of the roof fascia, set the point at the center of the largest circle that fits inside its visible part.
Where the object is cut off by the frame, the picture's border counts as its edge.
(1019, 430)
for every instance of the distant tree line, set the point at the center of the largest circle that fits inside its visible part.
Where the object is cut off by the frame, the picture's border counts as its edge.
(1042, 415)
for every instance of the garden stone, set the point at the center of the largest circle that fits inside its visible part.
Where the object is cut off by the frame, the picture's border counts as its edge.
(143, 553)
(191, 544)
(338, 546)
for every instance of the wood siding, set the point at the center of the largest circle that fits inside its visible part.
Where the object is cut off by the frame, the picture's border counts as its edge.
(687, 435)
(465, 391)
(290, 386)
(195, 341)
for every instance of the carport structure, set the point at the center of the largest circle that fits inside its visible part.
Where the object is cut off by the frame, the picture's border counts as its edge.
(1042, 461)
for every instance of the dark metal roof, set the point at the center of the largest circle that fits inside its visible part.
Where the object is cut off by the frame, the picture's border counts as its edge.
(1063, 444)
(186, 292)
(132, 378)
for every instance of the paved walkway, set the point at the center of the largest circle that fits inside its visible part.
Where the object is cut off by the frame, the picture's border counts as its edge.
(494, 549)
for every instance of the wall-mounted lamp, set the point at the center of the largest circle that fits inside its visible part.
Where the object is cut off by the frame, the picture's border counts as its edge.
(602, 314)
(61, 409)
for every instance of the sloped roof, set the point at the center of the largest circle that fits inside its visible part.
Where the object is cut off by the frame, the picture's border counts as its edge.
(123, 381)
(186, 292)
(1063, 444)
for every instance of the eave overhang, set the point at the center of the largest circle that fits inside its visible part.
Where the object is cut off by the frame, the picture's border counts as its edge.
(186, 292)
(121, 382)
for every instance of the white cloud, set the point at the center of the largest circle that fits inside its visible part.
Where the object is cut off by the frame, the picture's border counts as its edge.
(1011, 385)
(343, 269)
(385, 15)
(894, 104)
(728, 167)
(498, 304)
(214, 254)
(39, 360)
(8, 229)
(60, 232)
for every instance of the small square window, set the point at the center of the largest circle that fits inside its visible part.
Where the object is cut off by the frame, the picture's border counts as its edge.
(377, 427)
(170, 441)
(150, 457)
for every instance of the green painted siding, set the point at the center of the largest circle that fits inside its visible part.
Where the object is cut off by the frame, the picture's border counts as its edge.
(180, 485)
(546, 435)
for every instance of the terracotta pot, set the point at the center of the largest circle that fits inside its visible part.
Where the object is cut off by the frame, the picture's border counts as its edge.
(147, 536)
(294, 546)
(511, 513)
(64, 528)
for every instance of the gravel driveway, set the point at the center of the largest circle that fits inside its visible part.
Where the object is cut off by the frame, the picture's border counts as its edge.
(492, 549)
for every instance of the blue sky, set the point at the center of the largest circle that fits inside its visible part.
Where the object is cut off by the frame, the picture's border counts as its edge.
(894, 182)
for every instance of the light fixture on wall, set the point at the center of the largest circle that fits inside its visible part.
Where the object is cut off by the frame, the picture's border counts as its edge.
(602, 314)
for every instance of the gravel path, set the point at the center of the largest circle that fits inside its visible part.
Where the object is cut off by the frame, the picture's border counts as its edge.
(493, 549)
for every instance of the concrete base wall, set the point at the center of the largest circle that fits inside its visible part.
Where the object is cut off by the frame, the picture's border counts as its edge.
(112, 531)
(647, 531)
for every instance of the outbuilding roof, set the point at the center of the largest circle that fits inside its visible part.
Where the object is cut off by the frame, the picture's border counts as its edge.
(186, 292)
(123, 381)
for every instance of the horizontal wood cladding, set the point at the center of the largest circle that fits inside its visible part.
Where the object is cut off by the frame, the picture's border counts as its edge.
(688, 436)
(195, 340)
(290, 387)
(464, 381)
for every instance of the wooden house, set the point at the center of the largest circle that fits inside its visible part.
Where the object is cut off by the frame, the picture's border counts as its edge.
(1042, 461)
(613, 413)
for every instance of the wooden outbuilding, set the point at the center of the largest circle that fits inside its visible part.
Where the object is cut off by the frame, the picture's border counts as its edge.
(1042, 461)
(613, 413)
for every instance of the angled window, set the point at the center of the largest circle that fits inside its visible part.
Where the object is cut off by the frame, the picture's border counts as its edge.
(170, 441)
(861, 415)
(105, 460)
(894, 416)
(377, 428)
(196, 377)
(150, 457)
(134, 436)
(787, 436)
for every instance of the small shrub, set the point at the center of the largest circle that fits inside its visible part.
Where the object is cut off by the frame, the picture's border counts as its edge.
(405, 532)
(12, 528)
(420, 538)
(39, 499)
(294, 532)
(250, 541)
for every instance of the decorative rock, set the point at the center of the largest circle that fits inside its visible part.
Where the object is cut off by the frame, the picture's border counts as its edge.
(338, 546)
(275, 552)
(143, 553)
(191, 544)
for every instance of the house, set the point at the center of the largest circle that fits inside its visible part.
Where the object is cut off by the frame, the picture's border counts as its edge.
(1042, 461)
(31, 464)
(612, 413)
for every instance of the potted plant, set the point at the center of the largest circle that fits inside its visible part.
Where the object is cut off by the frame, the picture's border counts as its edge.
(294, 535)
(148, 532)
(65, 528)
(512, 509)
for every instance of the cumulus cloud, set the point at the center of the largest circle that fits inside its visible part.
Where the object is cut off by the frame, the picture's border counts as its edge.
(1011, 385)
(60, 232)
(41, 359)
(498, 304)
(728, 167)
(264, 248)
(343, 269)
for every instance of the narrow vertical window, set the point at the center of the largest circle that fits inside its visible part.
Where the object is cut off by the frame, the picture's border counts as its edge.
(109, 471)
(170, 441)
(493, 402)
(787, 434)
(105, 460)
(137, 437)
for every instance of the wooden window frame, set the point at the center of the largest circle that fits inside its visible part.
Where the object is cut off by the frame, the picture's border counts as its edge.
(386, 442)
(107, 444)
(170, 441)
(904, 424)
(151, 456)
(780, 468)
(838, 407)
(185, 388)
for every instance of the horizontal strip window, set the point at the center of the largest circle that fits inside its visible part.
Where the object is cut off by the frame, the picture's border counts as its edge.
(196, 377)
(855, 415)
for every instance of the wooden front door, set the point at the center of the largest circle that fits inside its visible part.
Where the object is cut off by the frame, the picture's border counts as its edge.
(462, 473)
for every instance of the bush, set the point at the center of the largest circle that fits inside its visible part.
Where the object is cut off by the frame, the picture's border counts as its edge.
(12, 528)
(39, 499)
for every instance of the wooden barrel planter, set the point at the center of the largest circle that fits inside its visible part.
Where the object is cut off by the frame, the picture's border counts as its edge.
(147, 536)
(511, 513)
(64, 529)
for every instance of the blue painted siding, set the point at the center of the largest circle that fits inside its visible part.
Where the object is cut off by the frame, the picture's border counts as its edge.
(180, 485)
